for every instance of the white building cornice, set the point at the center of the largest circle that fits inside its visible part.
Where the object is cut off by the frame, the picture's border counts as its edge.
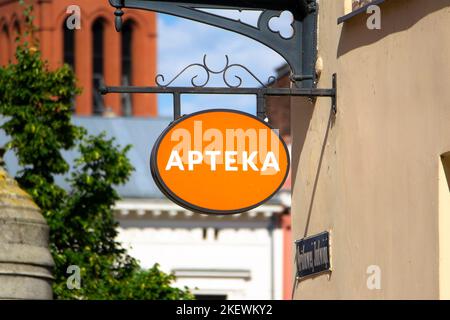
(160, 208)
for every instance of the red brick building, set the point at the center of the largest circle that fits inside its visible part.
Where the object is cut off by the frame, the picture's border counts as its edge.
(96, 51)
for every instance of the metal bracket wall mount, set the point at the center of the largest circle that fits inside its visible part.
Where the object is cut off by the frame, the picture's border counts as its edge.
(299, 50)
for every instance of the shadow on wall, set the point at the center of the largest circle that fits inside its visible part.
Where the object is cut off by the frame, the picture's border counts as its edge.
(300, 122)
(302, 125)
(330, 124)
(396, 16)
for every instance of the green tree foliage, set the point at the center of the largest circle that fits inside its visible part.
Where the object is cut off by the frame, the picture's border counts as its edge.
(35, 104)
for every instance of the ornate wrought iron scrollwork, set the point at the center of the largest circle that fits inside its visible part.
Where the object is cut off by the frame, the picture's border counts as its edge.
(208, 71)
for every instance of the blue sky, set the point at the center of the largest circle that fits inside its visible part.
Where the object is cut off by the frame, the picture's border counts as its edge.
(182, 42)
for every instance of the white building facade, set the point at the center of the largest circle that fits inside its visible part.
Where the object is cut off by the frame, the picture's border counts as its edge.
(226, 257)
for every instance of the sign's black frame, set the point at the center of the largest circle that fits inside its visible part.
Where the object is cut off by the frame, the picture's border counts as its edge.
(183, 203)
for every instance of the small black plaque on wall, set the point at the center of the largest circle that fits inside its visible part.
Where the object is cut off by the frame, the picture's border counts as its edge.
(313, 255)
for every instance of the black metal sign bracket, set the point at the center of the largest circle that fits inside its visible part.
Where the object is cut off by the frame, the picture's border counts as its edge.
(299, 50)
(261, 93)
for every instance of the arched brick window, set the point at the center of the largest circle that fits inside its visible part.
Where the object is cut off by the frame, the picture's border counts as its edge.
(98, 31)
(16, 29)
(69, 50)
(4, 45)
(14, 35)
(127, 45)
(69, 45)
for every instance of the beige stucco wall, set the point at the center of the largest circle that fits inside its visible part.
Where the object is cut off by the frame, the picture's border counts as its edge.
(371, 174)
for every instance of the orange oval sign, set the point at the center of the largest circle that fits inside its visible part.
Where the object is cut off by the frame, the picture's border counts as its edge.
(219, 162)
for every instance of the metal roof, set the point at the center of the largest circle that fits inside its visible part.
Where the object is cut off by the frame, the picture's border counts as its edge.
(140, 133)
